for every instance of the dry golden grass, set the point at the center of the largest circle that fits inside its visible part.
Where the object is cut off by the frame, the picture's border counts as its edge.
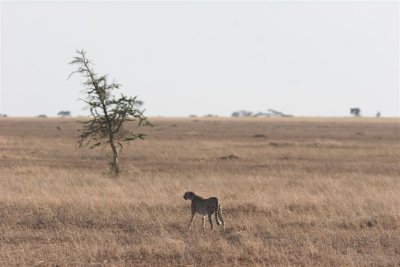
(295, 191)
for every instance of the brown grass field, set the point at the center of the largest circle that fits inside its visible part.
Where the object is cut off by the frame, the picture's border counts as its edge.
(295, 192)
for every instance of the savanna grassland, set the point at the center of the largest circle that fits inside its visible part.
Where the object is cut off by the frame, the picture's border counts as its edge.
(295, 191)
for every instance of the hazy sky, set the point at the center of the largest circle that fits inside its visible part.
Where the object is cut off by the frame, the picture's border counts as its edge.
(181, 58)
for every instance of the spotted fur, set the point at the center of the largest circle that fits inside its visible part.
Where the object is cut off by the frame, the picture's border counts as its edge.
(205, 207)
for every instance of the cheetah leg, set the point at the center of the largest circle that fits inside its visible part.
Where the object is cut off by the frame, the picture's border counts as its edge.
(210, 220)
(203, 220)
(191, 220)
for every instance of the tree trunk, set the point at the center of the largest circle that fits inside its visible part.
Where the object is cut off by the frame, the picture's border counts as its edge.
(114, 164)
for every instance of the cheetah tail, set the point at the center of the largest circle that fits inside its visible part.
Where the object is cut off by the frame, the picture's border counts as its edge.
(218, 215)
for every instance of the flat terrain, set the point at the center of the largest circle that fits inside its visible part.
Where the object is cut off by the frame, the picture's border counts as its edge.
(295, 191)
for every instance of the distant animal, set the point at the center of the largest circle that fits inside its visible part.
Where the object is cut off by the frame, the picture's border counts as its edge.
(59, 128)
(205, 207)
(63, 113)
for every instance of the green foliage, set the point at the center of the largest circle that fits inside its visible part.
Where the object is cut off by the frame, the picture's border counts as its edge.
(109, 113)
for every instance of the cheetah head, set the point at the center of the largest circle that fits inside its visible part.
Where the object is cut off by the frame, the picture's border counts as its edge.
(188, 195)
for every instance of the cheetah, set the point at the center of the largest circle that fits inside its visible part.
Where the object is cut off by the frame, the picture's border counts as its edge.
(205, 207)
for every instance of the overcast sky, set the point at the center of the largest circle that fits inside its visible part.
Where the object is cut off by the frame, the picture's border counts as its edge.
(181, 58)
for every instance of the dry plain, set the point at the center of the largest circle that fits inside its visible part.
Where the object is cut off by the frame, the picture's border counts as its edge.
(295, 191)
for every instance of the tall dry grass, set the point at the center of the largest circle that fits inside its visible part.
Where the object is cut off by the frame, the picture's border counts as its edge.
(295, 191)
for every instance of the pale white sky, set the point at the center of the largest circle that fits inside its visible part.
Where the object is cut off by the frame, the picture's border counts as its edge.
(181, 58)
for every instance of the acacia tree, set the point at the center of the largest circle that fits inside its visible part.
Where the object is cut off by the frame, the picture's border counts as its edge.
(108, 113)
